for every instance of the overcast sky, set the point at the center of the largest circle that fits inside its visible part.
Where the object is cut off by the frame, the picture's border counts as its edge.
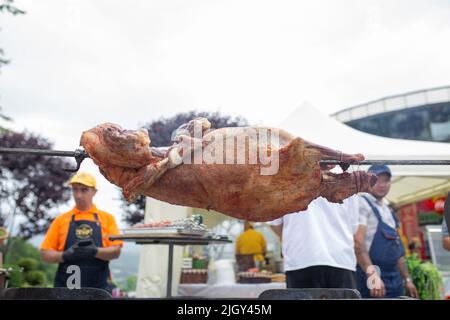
(79, 63)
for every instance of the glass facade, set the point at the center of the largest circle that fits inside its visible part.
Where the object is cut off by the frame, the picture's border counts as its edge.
(428, 122)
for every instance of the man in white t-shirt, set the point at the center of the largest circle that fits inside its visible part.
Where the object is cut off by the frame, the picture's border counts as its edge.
(317, 244)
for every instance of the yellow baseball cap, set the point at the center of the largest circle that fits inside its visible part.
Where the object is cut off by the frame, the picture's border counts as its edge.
(84, 178)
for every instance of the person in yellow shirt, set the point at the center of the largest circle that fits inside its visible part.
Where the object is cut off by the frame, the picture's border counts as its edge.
(404, 241)
(251, 242)
(79, 238)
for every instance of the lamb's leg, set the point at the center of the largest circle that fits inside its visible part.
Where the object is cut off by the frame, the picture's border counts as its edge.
(147, 175)
(330, 154)
(337, 187)
(144, 178)
(195, 128)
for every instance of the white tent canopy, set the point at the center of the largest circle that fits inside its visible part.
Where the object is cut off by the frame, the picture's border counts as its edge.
(410, 182)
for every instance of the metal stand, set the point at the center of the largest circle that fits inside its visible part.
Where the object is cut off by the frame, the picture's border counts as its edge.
(180, 240)
(169, 272)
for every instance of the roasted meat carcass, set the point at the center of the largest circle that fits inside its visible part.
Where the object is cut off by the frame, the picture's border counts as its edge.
(251, 173)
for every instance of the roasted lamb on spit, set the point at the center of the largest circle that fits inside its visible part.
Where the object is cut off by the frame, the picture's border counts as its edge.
(250, 173)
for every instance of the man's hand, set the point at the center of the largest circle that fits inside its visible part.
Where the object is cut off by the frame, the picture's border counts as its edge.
(86, 251)
(377, 289)
(79, 252)
(69, 255)
(411, 290)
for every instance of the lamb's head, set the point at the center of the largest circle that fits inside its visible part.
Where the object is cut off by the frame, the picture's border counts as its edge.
(109, 144)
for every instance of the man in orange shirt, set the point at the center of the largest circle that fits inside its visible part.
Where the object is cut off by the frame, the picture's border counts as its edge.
(78, 240)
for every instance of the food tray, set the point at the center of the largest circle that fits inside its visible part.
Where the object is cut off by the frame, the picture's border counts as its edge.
(166, 230)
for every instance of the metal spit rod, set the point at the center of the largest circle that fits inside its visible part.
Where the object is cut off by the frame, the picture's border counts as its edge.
(80, 155)
(393, 162)
(42, 152)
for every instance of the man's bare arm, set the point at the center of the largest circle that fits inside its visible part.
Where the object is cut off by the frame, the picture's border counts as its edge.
(446, 243)
(364, 261)
(402, 268)
(51, 256)
(109, 253)
(362, 254)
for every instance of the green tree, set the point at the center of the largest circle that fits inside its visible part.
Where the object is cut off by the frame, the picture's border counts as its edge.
(31, 187)
(8, 6)
(4, 118)
(35, 278)
(28, 264)
(129, 284)
(26, 256)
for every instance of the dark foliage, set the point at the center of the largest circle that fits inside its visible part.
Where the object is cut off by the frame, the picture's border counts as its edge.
(161, 130)
(31, 187)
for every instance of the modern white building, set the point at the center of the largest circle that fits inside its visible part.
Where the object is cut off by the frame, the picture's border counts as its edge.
(416, 115)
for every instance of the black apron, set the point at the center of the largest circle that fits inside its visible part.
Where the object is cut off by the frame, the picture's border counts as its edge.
(94, 272)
